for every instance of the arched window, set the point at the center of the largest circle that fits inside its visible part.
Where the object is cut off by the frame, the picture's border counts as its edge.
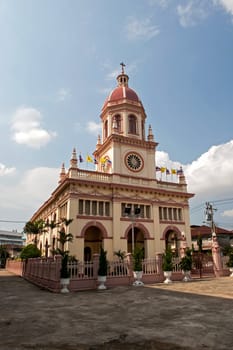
(132, 124)
(106, 129)
(173, 242)
(117, 122)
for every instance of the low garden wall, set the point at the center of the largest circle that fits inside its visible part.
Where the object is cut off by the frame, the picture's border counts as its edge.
(45, 272)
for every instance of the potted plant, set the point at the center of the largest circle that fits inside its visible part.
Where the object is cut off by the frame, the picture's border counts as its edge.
(167, 265)
(138, 254)
(64, 272)
(230, 263)
(186, 265)
(103, 269)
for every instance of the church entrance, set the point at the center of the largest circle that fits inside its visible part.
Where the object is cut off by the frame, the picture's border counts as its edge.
(173, 242)
(92, 242)
(135, 238)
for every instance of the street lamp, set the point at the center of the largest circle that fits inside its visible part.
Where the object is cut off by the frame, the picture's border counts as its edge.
(132, 214)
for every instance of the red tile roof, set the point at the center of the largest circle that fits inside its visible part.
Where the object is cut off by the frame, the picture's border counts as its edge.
(206, 231)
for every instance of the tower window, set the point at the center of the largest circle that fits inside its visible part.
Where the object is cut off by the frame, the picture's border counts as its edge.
(132, 124)
(117, 120)
(106, 129)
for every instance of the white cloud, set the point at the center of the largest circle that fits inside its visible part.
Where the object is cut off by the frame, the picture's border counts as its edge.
(226, 4)
(192, 12)
(45, 179)
(141, 29)
(63, 94)
(27, 130)
(212, 173)
(93, 127)
(163, 160)
(22, 196)
(6, 171)
(228, 213)
(209, 177)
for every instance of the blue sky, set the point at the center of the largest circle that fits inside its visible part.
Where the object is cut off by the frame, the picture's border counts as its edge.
(59, 61)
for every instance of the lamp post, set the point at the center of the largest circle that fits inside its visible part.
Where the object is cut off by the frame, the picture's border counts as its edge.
(132, 214)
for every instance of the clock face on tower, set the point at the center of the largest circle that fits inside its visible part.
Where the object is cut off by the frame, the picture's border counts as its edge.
(134, 161)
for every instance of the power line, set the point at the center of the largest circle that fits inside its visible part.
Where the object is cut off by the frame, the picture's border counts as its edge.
(197, 208)
(217, 201)
(14, 221)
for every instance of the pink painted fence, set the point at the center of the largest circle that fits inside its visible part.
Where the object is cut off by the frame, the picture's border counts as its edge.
(84, 275)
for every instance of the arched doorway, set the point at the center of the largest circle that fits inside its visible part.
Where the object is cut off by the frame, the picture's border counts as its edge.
(92, 242)
(138, 239)
(173, 242)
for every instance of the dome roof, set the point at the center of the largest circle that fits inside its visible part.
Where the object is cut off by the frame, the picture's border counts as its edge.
(120, 93)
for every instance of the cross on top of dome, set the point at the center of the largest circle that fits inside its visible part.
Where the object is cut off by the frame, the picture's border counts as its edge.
(122, 67)
(122, 78)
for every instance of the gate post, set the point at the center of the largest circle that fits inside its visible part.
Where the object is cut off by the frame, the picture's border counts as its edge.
(218, 269)
(159, 262)
(183, 245)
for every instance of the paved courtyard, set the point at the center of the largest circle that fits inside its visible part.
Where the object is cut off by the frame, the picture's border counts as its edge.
(194, 315)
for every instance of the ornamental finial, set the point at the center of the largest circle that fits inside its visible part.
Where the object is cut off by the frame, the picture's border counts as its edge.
(122, 67)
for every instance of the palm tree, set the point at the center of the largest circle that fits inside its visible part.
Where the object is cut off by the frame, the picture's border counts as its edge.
(35, 228)
(66, 222)
(52, 224)
(64, 238)
(120, 254)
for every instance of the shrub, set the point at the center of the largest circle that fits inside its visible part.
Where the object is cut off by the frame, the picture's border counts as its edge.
(167, 260)
(186, 262)
(103, 263)
(137, 259)
(30, 251)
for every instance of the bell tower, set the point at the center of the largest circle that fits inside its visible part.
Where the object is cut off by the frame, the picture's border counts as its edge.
(124, 149)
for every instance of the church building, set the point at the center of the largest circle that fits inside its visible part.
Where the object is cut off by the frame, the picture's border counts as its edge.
(122, 203)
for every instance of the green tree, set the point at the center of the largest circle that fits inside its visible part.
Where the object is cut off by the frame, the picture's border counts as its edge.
(63, 238)
(4, 255)
(167, 262)
(30, 251)
(52, 224)
(186, 261)
(120, 254)
(137, 255)
(35, 228)
(103, 263)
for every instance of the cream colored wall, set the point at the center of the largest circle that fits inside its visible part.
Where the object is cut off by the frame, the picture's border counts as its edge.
(115, 227)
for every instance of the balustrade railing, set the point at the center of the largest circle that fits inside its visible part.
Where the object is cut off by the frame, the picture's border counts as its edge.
(118, 268)
(82, 270)
(84, 275)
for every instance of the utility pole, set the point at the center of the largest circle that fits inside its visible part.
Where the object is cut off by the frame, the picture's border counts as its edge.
(209, 216)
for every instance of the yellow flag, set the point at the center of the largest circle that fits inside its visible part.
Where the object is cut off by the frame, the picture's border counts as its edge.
(89, 159)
